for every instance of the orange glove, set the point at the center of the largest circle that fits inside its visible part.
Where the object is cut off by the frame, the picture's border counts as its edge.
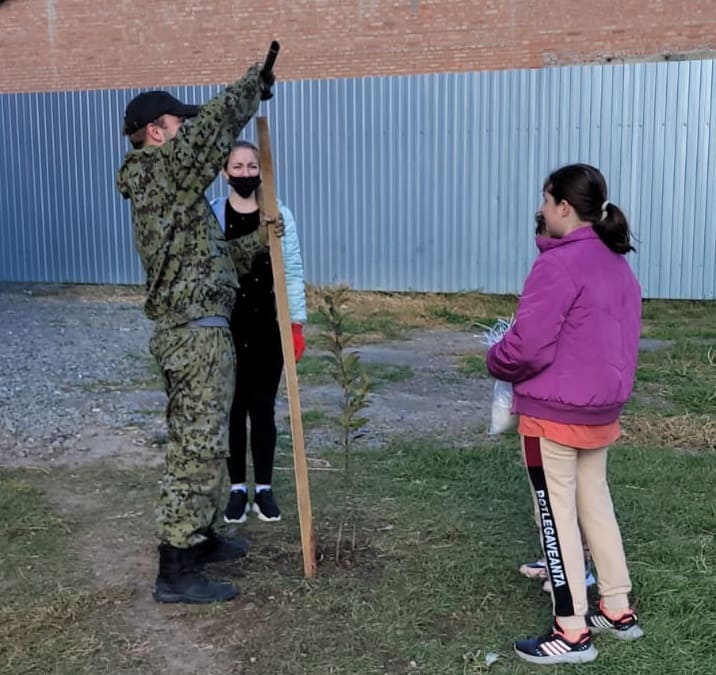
(299, 342)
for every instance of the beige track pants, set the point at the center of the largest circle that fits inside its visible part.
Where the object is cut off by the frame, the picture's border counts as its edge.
(570, 489)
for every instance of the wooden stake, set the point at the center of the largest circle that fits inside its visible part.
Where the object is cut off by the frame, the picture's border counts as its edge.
(269, 206)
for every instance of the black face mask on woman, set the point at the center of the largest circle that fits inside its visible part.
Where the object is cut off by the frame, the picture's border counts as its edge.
(245, 185)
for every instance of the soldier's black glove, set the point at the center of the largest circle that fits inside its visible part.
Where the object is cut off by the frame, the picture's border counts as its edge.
(266, 81)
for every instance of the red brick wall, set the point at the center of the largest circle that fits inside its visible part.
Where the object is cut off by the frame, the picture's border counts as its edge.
(48, 45)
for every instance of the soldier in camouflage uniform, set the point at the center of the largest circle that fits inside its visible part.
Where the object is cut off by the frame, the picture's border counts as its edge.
(191, 287)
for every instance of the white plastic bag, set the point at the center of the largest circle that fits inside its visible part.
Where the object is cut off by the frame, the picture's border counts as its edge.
(501, 418)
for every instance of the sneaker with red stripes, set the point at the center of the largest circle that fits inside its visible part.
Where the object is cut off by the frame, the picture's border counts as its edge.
(554, 647)
(626, 627)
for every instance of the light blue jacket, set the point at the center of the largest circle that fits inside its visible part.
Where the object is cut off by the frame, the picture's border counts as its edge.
(293, 263)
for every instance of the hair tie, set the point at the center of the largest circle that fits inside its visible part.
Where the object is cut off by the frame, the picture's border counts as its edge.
(604, 210)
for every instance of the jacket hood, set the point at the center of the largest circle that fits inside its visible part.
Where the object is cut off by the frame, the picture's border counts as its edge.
(580, 234)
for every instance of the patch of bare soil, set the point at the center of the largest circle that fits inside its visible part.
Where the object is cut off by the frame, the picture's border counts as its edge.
(438, 401)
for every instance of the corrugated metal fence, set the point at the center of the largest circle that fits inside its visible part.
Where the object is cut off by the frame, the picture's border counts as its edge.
(398, 183)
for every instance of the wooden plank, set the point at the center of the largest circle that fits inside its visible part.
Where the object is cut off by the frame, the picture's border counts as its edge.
(269, 206)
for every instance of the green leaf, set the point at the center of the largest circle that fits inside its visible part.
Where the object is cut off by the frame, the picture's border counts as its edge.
(358, 422)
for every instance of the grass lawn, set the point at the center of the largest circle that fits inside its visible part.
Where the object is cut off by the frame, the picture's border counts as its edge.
(423, 578)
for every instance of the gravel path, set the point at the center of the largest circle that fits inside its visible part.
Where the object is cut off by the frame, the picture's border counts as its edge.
(77, 382)
(71, 363)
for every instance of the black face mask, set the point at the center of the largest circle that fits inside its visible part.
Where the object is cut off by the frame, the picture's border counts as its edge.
(245, 185)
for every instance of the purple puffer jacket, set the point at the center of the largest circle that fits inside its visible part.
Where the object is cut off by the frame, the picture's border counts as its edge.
(572, 351)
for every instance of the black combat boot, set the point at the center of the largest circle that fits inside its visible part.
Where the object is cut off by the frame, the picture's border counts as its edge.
(179, 579)
(217, 548)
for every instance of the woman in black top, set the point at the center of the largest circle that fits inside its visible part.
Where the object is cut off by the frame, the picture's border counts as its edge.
(257, 340)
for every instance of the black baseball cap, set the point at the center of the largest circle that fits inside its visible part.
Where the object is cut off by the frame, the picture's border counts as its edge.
(149, 105)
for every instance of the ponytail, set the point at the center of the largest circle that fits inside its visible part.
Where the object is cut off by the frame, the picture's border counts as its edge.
(613, 229)
(584, 187)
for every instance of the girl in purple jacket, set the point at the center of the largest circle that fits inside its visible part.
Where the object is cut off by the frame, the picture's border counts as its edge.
(571, 355)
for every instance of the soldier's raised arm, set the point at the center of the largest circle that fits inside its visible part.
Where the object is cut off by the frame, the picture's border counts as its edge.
(202, 144)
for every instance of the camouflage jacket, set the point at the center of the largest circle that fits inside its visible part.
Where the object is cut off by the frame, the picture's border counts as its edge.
(188, 262)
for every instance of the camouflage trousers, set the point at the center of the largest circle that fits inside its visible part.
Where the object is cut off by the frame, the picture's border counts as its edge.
(198, 366)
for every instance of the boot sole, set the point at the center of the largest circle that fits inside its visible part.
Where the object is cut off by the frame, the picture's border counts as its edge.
(171, 598)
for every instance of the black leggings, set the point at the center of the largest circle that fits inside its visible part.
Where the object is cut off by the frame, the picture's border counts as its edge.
(259, 363)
